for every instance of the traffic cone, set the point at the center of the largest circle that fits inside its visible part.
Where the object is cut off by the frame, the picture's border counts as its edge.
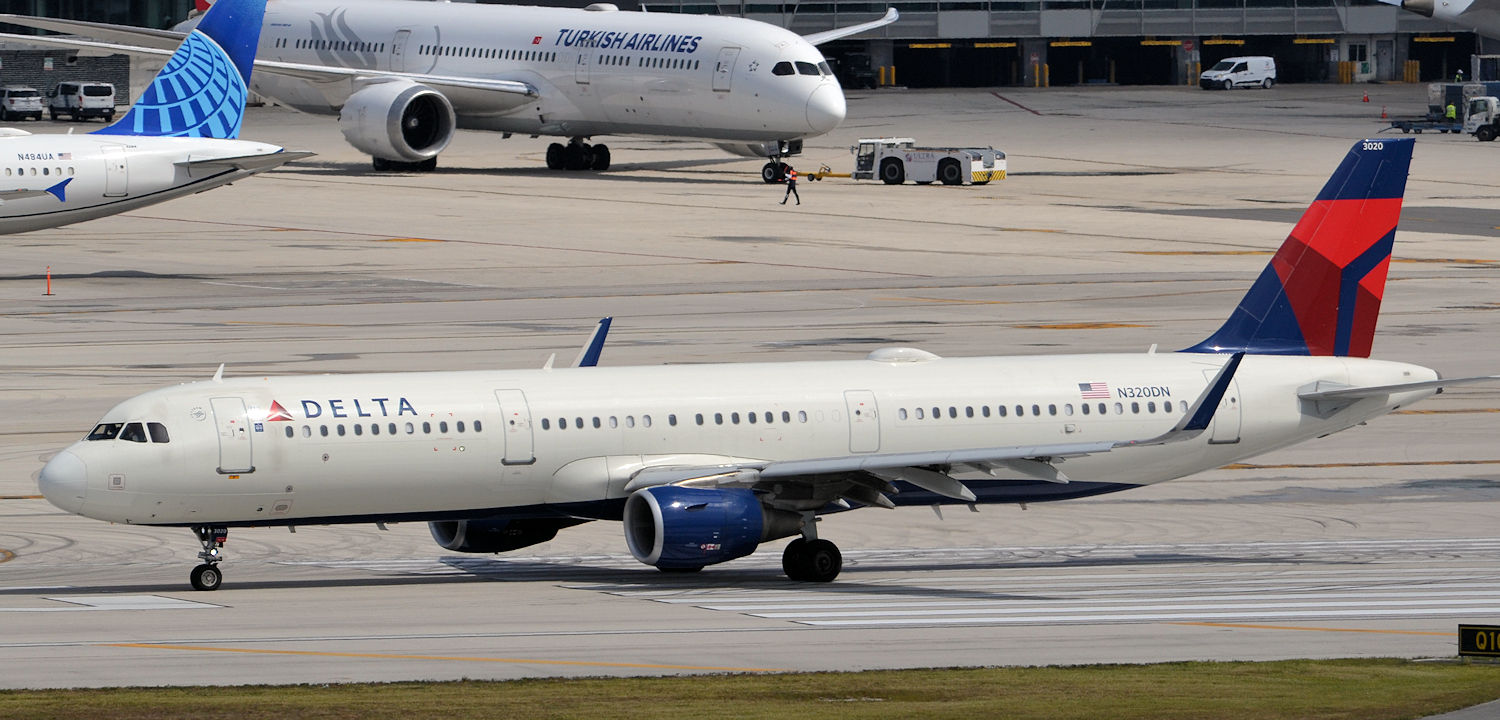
(1367, 96)
(1382, 112)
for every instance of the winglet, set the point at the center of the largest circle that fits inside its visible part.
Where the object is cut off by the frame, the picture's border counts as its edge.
(889, 17)
(588, 356)
(202, 89)
(219, 374)
(1201, 414)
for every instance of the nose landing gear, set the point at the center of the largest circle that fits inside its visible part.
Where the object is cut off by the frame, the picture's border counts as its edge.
(208, 576)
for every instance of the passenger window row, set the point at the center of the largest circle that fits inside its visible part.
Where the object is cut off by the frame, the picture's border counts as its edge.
(752, 417)
(350, 45)
(407, 428)
(952, 412)
(24, 172)
(486, 53)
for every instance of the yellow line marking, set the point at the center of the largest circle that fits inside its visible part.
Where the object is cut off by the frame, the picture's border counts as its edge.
(1316, 629)
(279, 324)
(1079, 326)
(396, 656)
(412, 240)
(1459, 411)
(6, 555)
(1439, 261)
(21, 497)
(1387, 463)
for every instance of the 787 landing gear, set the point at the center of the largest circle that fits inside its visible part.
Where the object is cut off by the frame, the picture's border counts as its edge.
(577, 155)
(212, 537)
(809, 559)
(774, 171)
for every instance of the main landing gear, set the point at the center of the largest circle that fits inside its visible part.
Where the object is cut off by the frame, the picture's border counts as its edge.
(809, 559)
(208, 576)
(577, 155)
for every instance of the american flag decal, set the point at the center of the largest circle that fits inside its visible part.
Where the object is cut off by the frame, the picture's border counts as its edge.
(1094, 390)
(65, 156)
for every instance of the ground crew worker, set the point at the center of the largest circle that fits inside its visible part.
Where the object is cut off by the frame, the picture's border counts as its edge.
(1458, 76)
(1451, 113)
(791, 185)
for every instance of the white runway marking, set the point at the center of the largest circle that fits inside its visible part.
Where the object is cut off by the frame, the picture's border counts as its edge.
(1078, 584)
(79, 603)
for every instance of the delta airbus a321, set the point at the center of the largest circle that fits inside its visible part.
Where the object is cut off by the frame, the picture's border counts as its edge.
(177, 140)
(402, 76)
(703, 463)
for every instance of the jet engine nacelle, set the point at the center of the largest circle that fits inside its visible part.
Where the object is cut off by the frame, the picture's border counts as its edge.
(398, 120)
(1420, 7)
(498, 534)
(675, 527)
(781, 148)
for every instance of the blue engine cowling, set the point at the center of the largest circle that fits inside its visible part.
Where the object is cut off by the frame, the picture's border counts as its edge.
(680, 527)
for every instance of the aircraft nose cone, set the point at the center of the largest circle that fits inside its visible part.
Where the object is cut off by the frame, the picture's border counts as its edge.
(825, 108)
(63, 480)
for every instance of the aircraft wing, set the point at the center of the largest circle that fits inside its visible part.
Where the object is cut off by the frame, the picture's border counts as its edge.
(867, 478)
(146, 37)
(830, 35)
(254, 163)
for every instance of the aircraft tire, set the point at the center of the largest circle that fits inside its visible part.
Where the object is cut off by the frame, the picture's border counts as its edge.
(891, 172)
(794, 559)
(380, 164)
(575, 157)
(427, 165)
(601, 157)
(822, 561)
(772, 173)
(555, 156)
(206, 577)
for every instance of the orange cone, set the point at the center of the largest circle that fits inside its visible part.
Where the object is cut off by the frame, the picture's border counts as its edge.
(1382, 112)
(1367, 96)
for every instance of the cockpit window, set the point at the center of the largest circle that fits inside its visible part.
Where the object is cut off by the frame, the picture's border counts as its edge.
(134, 432)
(806, 68)
(105, 431)
(783, 68)
(823, 67)
(158, 432)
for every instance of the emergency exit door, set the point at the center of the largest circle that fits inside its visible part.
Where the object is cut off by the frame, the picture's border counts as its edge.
(235, 453)
(515, 416)
(864, 421)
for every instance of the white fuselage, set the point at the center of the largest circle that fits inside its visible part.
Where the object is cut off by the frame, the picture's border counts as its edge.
(596, 72)
(105, 174)
(425, 446)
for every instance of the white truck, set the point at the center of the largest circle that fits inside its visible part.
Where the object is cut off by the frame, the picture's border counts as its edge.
(896, 160)
(1483, 118)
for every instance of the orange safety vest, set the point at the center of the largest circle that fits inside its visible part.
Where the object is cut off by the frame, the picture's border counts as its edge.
(791, 176)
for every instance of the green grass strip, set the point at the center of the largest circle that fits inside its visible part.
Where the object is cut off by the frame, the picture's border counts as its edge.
(1382, 689)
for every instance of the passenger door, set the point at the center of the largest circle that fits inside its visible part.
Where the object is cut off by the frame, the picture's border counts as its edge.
(864, 421)
(398, 50)
(116, 171)
(724, 69)
(235, 452)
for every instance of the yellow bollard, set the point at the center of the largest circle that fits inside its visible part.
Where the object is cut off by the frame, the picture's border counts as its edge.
(1046, 75)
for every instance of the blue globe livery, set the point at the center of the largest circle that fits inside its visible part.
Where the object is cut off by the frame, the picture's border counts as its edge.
(198, 94)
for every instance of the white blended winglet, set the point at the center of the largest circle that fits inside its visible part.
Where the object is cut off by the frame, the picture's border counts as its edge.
(219, 374)
(830, 35)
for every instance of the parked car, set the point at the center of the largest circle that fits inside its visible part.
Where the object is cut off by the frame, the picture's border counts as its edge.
(18, 102)
(83, 100)
(1229, 73)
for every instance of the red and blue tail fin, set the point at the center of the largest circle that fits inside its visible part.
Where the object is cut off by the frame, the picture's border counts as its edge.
(1320, 294)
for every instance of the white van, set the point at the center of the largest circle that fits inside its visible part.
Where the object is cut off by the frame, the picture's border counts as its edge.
(1239, 72)
(82, 100)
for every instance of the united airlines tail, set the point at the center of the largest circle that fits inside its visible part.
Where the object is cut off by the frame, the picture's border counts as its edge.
(201, 91)
(1320, 294)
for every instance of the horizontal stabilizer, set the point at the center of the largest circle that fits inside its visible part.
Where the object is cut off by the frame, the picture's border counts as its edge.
(830, 35)
(161, 39)
(1323, 391)
(253, 163)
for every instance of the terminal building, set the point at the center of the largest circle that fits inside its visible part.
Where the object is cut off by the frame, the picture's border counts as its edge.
(983, 43)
